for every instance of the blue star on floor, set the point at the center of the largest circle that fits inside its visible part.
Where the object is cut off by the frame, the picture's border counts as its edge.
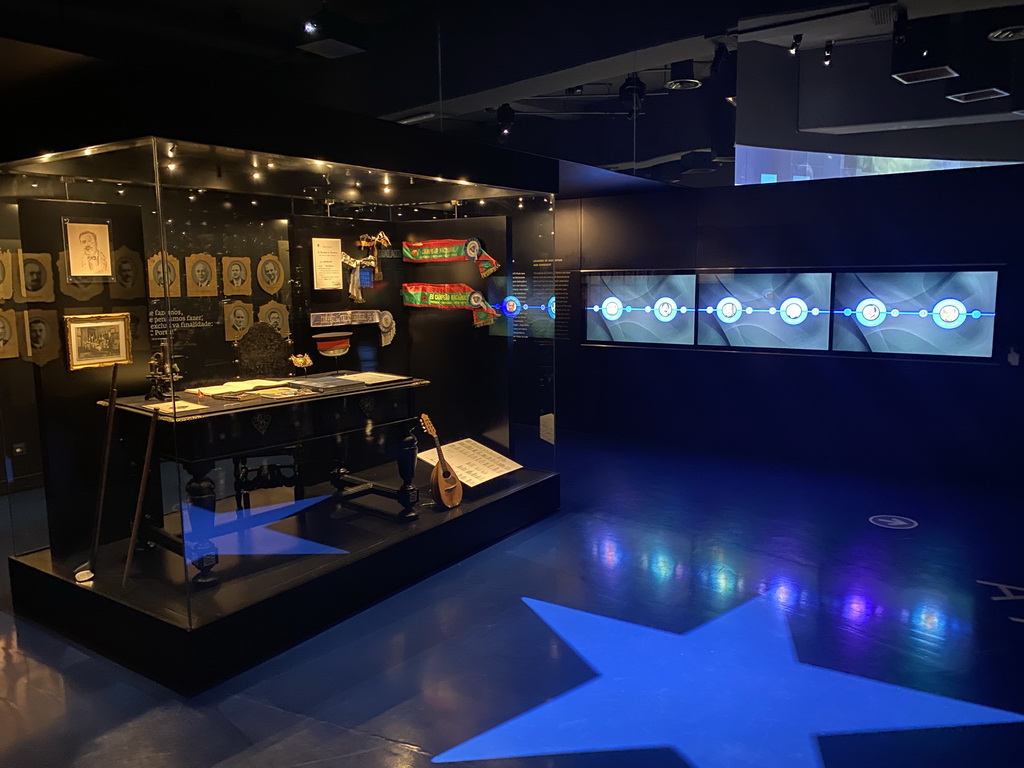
(250, 535)
(729, 693)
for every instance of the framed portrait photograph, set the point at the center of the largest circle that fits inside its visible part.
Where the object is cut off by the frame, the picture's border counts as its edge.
(8, 334)
(236, 273)
(269, 273)
(237, 320)
(129, 276)
(164, 276)
(6, 275)
(87, 244)
(97, 341)
(42, 336)
(201, 275)
(35, 277)
(275, 314)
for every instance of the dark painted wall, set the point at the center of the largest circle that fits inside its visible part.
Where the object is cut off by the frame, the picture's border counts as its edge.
(927, 417)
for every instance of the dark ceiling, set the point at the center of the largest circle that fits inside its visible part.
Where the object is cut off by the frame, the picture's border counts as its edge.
(560, 66)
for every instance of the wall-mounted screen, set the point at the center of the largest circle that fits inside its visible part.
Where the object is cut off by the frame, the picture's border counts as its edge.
(915, 313)
(768, 310)
(639, 307)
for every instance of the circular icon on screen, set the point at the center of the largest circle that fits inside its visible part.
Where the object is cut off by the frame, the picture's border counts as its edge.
(870, 312)
(665, 309)
(793, 311)
(729, 310)
(611, 308)
(510, 306)
(550, 306)
(949, 314)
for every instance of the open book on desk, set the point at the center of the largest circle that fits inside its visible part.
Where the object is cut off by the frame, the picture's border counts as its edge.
(234, 386)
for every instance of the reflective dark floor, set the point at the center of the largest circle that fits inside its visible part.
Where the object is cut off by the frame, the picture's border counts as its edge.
(673, 613)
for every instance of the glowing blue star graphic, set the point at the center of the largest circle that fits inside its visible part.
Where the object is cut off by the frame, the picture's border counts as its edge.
(250, 535)
(729, 694)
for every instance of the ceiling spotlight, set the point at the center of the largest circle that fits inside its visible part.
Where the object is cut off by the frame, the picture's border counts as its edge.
(795, 45)
(310, 28)
(827, 60)
(506, 116)
(1006, 34)
(681, 77)
(632, 92)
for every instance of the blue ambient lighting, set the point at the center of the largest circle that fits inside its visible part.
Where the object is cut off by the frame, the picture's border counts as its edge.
(250, 535)
(730, 693)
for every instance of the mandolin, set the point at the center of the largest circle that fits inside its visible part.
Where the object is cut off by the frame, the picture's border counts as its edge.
(445, 486)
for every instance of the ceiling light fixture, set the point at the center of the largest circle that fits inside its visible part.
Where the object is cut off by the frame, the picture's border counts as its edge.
(681, 77)
(827, 59)
(795, 45)
(1007, 34)
(420, 118)
(631, 93)
(506, 116)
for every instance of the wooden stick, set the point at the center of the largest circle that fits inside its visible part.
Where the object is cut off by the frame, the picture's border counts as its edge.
(136, 522)
(107, 440)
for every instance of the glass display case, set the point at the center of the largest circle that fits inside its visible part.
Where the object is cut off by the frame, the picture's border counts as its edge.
(228, 377)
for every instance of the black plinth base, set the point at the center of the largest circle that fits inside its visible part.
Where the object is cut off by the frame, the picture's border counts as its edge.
(189, 661)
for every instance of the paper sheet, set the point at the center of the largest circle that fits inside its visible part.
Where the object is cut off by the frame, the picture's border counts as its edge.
(174, 406)
(373, 377)
(233, 386)
(473, 463)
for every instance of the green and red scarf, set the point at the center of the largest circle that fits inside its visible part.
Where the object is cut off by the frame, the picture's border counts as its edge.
(449, 296)
(451, 250)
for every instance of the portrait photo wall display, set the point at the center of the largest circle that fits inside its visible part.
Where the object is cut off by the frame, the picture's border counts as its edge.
(98, 340)
(35, 278)
(163, 273)
(236, 273)
(8, 334)
(201, 274)
(237, 319)
(6, 275)
(87, 243)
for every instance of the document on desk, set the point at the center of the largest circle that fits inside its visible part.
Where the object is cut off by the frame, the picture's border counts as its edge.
(473, 463)
(233, 386)
(369, 378)
(174, 407)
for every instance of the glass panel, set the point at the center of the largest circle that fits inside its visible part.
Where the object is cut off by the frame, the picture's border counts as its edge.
(291, 319)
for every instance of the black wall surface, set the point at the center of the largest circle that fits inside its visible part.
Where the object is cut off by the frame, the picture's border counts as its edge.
(891, 416)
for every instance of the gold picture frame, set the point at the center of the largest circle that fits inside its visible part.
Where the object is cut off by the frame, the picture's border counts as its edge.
(270, 273)
(238, 319)
(41, 331)
(275, 314)
(236, 275)
(98, 341)
(6, 276)
(35, 278)
(8, 334)
(162, 269)
(129, 275)
(201, 275)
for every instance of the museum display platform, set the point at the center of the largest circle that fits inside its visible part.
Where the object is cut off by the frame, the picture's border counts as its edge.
(265, 601)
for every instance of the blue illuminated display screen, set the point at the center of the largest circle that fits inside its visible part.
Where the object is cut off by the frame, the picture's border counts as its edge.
(640, 308)
(764, 310)
(915, 313)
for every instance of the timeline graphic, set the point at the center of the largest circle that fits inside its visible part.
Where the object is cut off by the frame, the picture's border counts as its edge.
(513, 307)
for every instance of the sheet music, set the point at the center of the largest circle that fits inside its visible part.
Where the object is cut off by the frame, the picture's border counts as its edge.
(473, 463)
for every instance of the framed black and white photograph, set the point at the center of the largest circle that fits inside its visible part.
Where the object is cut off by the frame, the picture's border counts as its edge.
(275, 314)
(8, 334)
(41, 335)
(164, 273)
(201, 275)
(6, 276)
(129, 276)
(237, 320)
(35, 282)
(97, 341)
(269, 273)
(87, 244)
(236, 272)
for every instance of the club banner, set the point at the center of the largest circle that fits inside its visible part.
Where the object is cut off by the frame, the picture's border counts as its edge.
(384, 320)
(451, 250)
(449, 296)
